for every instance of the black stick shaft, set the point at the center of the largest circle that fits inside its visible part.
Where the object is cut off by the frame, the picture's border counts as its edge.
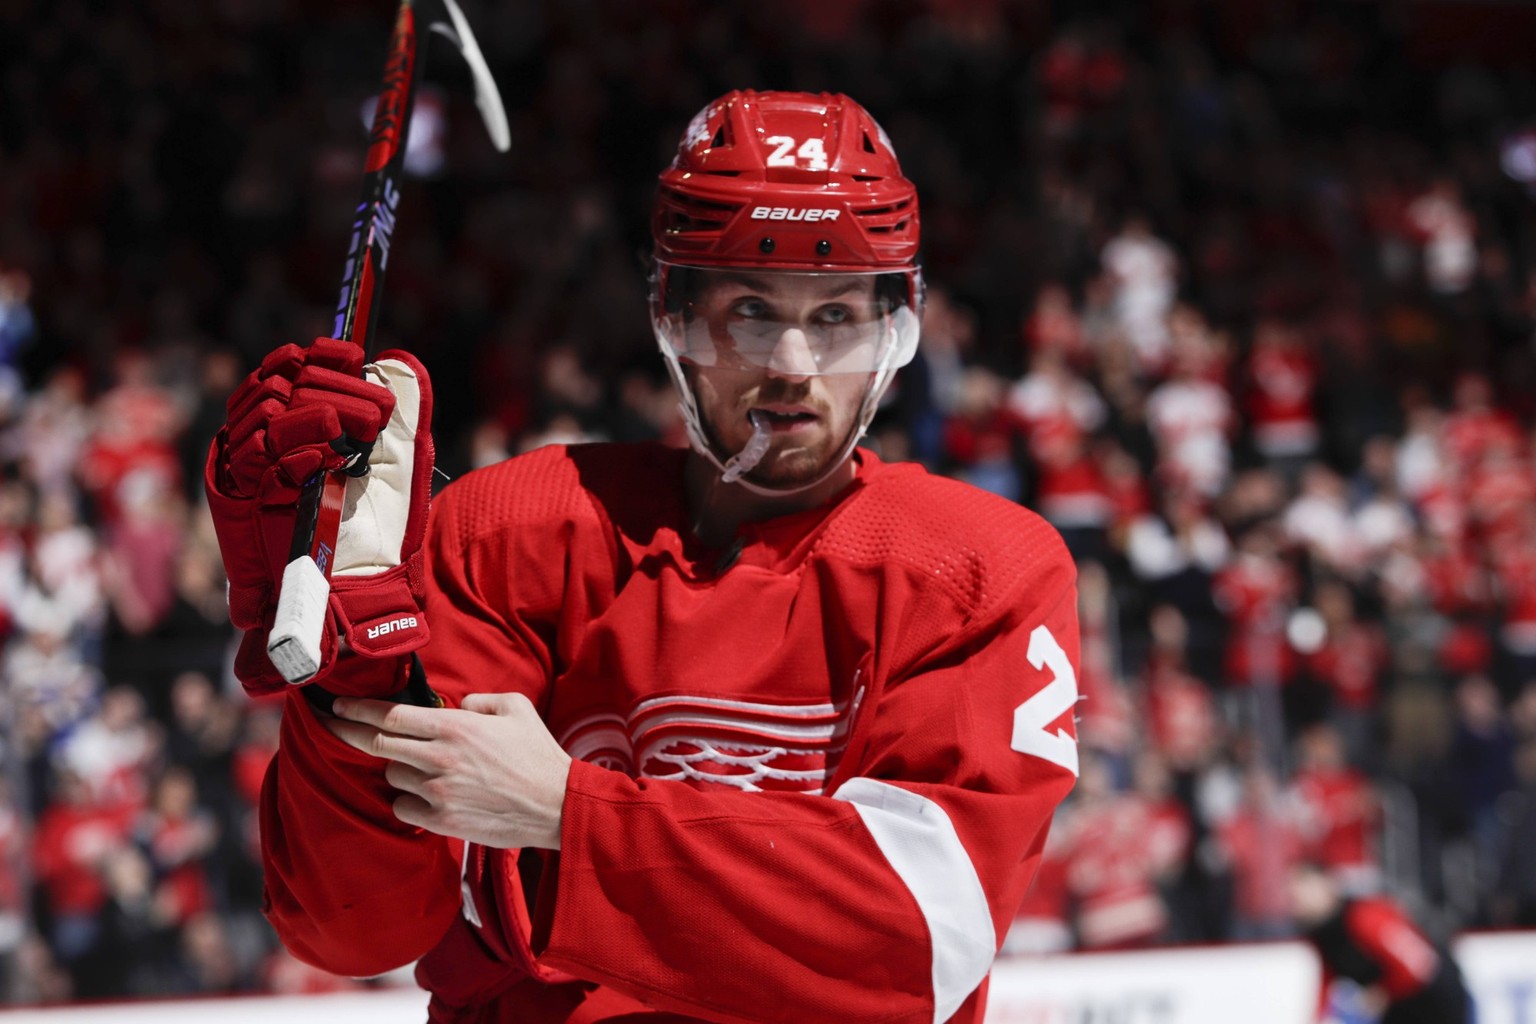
(368, 251)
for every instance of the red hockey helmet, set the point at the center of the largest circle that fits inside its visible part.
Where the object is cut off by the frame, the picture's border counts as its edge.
(774, 199)
(786, 180)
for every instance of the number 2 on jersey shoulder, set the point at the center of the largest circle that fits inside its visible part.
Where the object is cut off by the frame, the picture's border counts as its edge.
(1058, 697)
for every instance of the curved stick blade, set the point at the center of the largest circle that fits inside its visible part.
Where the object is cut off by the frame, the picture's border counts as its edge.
(487, 97)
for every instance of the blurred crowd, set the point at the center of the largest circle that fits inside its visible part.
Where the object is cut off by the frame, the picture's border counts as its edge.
(1242, 298)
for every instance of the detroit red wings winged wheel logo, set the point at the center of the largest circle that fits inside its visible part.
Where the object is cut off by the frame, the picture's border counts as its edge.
(714, 741)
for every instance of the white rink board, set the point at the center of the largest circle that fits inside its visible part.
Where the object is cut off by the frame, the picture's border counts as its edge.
(1272, 983)
(386, 1006)
(1500, 969)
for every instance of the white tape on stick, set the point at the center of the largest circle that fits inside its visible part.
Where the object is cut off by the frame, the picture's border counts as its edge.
(294, 645)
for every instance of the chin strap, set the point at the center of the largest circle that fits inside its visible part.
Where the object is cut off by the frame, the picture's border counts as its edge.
(745, 460)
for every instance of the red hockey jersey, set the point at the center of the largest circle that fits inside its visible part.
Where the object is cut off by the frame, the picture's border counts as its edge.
(814, 772)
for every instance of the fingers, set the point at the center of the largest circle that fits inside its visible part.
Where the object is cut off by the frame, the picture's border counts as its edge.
(362, 406)
(294, 427)
(246, 456)
(302, 398)
(282, 362)
(385, 746)
(344, 357)
(271, 380)
(254, 402)
(328, 372)
(496, 703)
(488, 772)
(392, 732)
(412, 769)
(408, 778)
(399, 719)
(413, 810)
(296, 440)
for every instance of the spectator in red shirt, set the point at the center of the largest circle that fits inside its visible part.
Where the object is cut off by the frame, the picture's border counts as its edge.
(1124, 483)
(1256, 591)
(1280, 382)
(1178, 709)
(1349, 665)
(1169, 834)
(1112, 871)
(178, 835)
(983, 438)
(1072, 493)
(76, 835)
(1106, 720)
(252, 756)
(113, 749)
(1456, 582)
(133, 445)
(1500, 489)
(1052, 400)
(1476, 425)
(1053, 325)
(1043, 921)
(1081, 73)
(1336, 811)
(1260, 845)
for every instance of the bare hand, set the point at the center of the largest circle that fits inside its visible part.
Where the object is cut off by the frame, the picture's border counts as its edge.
(489, 773)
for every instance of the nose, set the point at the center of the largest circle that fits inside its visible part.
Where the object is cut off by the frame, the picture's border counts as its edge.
(792, 356)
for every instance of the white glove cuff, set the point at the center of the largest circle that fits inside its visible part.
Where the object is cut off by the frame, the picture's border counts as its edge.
(378, 503)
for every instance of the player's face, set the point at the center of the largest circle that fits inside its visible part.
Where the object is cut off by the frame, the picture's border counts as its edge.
(808, 411)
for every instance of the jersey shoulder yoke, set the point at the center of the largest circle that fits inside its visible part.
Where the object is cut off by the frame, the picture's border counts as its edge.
(983, 548)
(564, 484)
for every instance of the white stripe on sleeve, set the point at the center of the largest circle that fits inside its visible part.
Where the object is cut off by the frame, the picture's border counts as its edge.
(921, 845)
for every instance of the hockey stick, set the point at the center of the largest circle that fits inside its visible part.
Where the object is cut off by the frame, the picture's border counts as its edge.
(294, 643)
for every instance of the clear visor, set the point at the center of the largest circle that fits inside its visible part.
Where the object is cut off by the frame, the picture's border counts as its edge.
(792, 322)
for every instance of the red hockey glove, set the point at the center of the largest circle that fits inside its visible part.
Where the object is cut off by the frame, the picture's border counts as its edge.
(308, 410)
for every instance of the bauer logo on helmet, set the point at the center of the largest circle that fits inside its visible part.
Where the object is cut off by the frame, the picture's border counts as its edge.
(793, 213)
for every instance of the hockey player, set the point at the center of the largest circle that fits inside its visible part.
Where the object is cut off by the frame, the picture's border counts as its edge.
(768, 730)
(1405, 978)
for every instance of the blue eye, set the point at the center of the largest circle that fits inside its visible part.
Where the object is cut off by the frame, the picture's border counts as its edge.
(752, 309)
(834, 315)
